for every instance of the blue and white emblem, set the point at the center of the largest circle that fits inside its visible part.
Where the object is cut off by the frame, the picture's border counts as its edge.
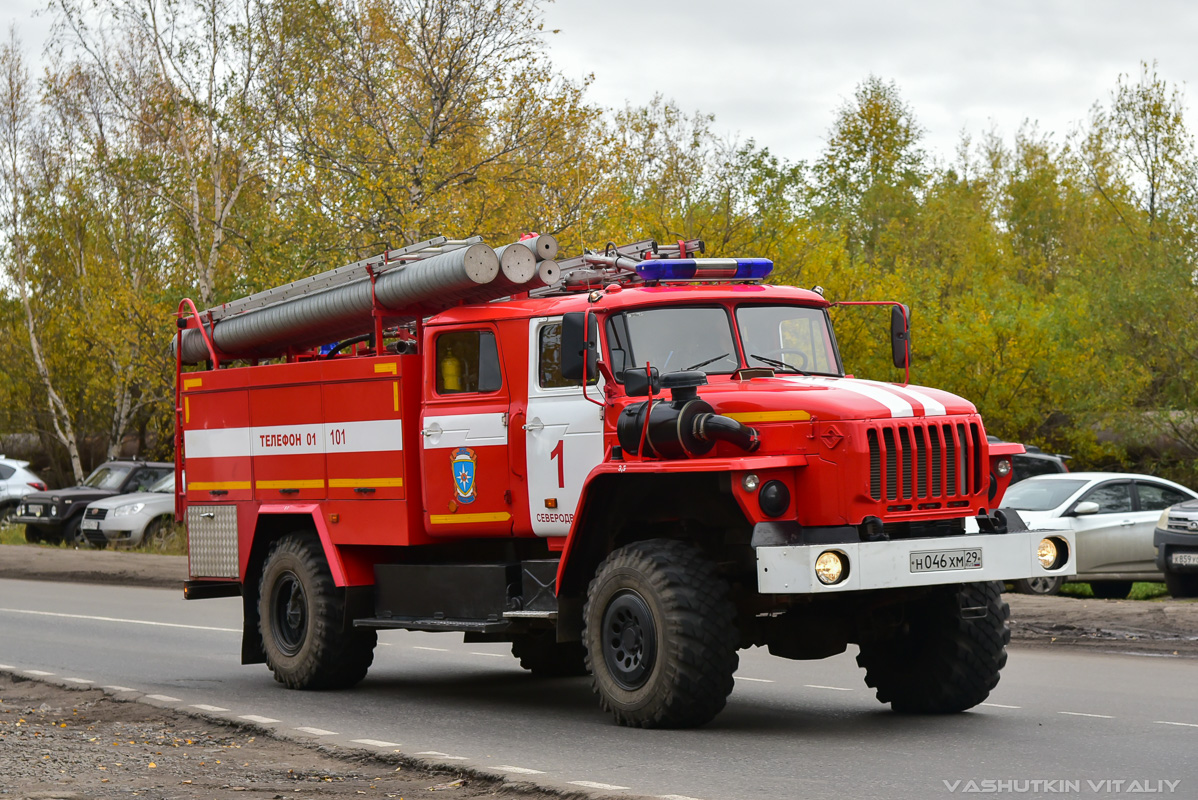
(462, 462)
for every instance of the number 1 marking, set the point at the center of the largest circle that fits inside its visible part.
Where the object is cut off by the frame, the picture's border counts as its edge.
(561, 466)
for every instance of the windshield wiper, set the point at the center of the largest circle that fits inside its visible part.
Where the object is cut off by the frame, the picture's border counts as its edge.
(708, 361)
(775, 362)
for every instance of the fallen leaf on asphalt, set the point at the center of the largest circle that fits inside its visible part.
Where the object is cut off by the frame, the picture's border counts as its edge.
(459, 783)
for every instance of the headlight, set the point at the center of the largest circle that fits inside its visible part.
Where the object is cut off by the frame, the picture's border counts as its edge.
(1003, 468)
(124, 511)
(749, 482)
(1047, 553)
(20, 510)
(1163, 522)
(54, 511)
(831, 567)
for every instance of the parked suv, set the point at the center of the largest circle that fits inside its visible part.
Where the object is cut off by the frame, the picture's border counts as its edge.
(16, 481)
(55, 516)
(131, 519)
(1176, 540)
(1035, 462)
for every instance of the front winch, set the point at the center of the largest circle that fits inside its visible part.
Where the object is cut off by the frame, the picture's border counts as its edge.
(685, 426)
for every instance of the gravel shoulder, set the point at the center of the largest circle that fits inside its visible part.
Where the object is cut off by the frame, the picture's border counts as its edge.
(71, 744)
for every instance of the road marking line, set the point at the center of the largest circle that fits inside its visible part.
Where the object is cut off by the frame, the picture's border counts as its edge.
(999, 705)
(258, 719)
(7, 666)
(441, 755)
(491, 655)
(593, 785)
(1185, 724)
(318, 731)
(521, 770)
(203, 707)
(118, 619)
(374, 743)
(166, 698)
(37, 672)
(754, 680)
(434, 649)
(1080, 714)
(77, 680)
(832, 688)
(674, 797)
(120, 688)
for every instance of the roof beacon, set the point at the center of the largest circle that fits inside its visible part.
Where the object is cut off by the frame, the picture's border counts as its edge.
(705, 269)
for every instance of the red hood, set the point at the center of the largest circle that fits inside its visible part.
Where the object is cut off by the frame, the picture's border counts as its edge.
(828, 398)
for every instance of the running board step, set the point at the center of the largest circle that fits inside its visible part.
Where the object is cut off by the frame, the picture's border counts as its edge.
(426, 624)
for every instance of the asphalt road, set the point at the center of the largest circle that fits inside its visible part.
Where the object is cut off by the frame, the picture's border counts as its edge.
(791, 729)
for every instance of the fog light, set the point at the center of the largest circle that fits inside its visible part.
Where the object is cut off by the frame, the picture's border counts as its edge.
(1047, 553)
(1003, 468)
(774, 498)
(749, 482)
(830, 567)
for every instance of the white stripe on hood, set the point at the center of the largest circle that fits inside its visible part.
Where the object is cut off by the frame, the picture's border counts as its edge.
(877, 392)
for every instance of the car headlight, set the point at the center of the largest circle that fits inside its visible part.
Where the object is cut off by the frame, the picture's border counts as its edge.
(54, 511)
(124, 511)
(21, 510)
(1163, 522)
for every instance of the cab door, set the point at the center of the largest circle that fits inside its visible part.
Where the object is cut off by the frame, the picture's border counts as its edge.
(564, 433)
(464, 428)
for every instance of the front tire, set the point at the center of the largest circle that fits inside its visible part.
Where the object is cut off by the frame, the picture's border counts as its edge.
(946, 655)
(301, 613)
(660, 636)
(1182, 584)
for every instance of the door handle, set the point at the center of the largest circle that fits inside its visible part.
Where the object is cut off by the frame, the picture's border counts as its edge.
(432, 430)
(208, 515)
(1127, 523)
(534, 424)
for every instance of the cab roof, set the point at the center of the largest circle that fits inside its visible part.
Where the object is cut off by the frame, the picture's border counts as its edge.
(618, 298)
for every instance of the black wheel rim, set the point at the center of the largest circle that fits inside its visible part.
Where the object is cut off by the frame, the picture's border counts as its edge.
(629, 640)
(289, 607)
(1042, 585)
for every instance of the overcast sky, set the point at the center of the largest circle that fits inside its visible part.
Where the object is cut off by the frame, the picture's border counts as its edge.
(776, 71)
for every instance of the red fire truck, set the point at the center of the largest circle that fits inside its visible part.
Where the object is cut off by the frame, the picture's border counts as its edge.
(630, 464)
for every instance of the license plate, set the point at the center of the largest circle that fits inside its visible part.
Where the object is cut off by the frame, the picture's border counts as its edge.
(1184, 559)
(90, 525)
(940, 560)
(35, 511)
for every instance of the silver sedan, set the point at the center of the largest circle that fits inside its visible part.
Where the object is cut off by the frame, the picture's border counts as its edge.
(131, 519)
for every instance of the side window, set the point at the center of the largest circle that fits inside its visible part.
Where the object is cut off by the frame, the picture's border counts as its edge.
(1113, 498)
(549, 359)
(141, 480)
(467, 361)
(1154, 497)
(6, 472)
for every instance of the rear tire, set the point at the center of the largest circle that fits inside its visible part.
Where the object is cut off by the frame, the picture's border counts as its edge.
(152, 536)
(1182, 584)
(660, 636)
(544, 656)
(1041, 586)
(307, 642)
(1110, 590)
(6, 514)
(946, 656)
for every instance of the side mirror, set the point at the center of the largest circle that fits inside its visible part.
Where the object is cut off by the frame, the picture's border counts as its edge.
(900, 336)
(577, 341)
(1085, 508)
(638, 380)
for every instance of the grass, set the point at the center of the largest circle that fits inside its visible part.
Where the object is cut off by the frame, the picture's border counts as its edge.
(1139, 591)
(173, 541)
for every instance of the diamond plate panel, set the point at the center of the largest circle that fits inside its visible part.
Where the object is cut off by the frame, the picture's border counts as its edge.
(212, 541)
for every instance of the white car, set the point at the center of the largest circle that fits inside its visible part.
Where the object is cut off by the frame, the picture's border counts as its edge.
(131, 519)
(16, 481)
(1113, 514)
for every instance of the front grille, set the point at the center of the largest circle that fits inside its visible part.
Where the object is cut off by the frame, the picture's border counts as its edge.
(923, 460)
(96, 513)
(1180, 525)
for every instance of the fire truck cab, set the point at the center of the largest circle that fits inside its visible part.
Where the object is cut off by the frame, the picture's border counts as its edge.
(632, 475)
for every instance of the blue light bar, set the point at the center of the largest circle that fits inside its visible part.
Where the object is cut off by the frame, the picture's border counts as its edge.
(704, 269)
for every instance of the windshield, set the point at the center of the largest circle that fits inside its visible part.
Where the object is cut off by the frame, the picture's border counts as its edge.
(1040, 495)
(800, 338)
(673, 339)
(107, 477)
(164, 484)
